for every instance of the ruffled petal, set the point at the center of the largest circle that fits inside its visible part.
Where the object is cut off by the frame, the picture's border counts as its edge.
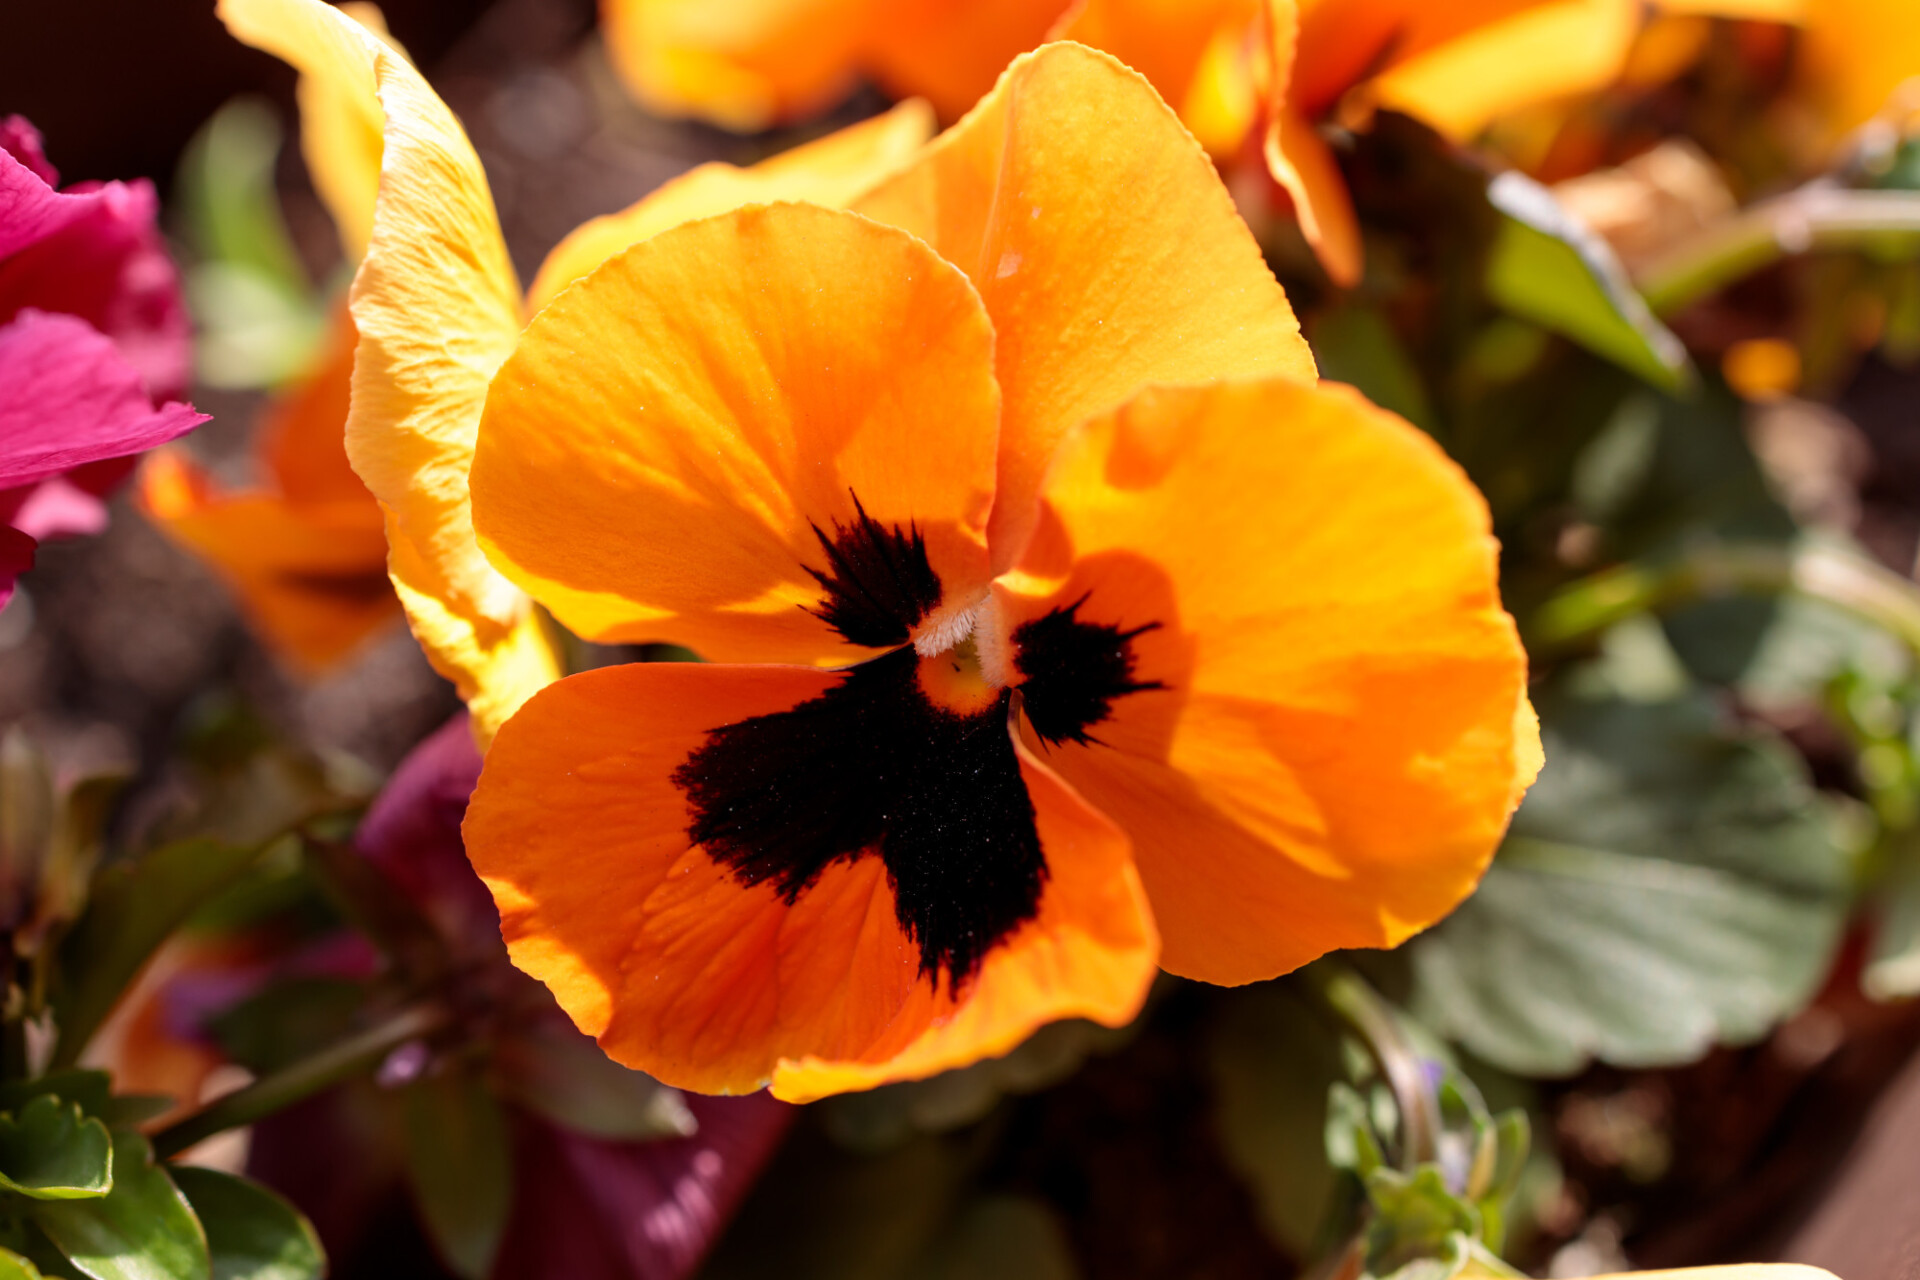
(678, 436)
(681, 971)
(438, 310)
(311, 577)
(830, 171)
(1072, 149)
(1321, 728)
(1548, 52)
(744, 65)
(67, 398)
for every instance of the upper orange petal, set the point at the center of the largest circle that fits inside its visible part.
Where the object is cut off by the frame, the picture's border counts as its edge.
(829, 171)
(681, 971)
(744, 64)
(1854, 55)
(951, 51)
(1073, 150)
(672, 430)
(1548, 52)
(1343, 731)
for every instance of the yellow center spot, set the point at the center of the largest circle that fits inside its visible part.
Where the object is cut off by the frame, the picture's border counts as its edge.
(952, 680)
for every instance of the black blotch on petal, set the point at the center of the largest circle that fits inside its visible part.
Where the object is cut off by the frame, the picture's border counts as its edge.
(873, 767)
(1071, 671)
(878, 581)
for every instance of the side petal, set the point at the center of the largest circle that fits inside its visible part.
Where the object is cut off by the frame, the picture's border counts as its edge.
(1092, 952)
(438, 309)
(1072, 149)
(68, 397)
(1326, 729)
(1549, 52)
(677, 433)
(311, 577)
(1167, 41)
(1343, 44)
(1302, 163)
(743, 65)
(830, 171)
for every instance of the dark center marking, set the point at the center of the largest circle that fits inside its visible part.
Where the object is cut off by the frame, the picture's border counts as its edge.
(874, 766)
(878, 581)
(1071, 672)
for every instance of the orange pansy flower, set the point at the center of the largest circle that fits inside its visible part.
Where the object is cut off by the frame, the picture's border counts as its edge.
(1269, 70)
(1065, 628)
(438, 308)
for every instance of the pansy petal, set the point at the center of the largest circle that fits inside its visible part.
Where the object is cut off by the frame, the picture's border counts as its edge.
(1336, 730)
(1167, 41)
(745, 64)
(1091, 952)
(1072, 149)
(1344, 42)
(1854, 54)
(311, 577)
(681, 971)
(304, 433)
(647, 943)
(1302, 163)
(1549, 52)
(829, 171)
(68, 397)
(951, 51)
(438, 309)
(677, 435)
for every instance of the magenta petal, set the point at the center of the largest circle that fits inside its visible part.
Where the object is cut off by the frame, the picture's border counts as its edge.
(68, 398)
(21, 140)
(636, 1210)
(30, 209)
(16, 557)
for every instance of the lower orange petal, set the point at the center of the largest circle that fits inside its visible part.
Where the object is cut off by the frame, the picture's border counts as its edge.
(681, 971)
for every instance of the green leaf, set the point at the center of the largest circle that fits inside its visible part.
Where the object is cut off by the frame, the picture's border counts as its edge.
(135, 906)
(460, 1167)
(143, 1230)
(564, 1076)
(1273, 1061)
(252, 1233)
(15, 1267)
(51, 1150)
(1548, 268)
(1418, 1223)
(90, 1089)
(1893, 967)
(1671, 882)
(1355, 344)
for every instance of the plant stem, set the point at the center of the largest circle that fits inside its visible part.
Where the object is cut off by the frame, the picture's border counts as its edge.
(1585, 608)
(1378, 1028)
(270, 1093)
(1813, 217)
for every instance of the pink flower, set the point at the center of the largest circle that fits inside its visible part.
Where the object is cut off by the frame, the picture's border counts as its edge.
(93, 336)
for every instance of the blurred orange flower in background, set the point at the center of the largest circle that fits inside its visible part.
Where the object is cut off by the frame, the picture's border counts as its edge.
(1164, 655)
(1240, 72)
